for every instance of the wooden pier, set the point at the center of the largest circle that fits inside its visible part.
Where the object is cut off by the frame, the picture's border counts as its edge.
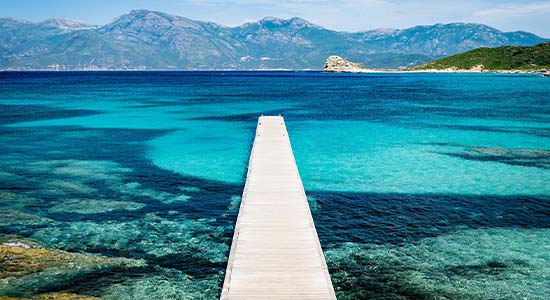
(275, 253)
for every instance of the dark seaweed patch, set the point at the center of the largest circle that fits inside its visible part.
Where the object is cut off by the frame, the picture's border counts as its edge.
(249, 117)
(491, 268)
(538, 158)
(359, 276)
(10, 114)
(191, 264)
(405, 218)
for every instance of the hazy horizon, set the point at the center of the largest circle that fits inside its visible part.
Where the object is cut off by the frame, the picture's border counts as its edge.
(342, 15)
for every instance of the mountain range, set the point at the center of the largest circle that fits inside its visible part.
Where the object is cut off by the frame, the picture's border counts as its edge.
(145, 39)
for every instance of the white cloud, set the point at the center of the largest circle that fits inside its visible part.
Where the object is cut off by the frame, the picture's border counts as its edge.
(517, 10)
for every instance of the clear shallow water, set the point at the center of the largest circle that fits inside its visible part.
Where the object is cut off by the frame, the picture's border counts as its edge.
(423, 186)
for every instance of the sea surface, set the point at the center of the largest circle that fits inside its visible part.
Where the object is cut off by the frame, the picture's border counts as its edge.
(422, 186)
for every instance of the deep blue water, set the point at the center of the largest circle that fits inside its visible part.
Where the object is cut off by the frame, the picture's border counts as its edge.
(422, 186)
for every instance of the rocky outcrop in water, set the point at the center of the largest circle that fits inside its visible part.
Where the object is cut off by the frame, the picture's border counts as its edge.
(54, 296)
(336, 64)
(477, 68)
(28, 267)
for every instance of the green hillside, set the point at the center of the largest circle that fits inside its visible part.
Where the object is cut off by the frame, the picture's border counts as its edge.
(500, 58)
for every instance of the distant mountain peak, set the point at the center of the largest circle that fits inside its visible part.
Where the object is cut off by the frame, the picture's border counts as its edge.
(385, 30)
(15, 21)
(140, 14)
(149, 20)
(12, 22)
(271, 19)
(441, 25)
(141, 11)
(302, 22)
(294, 22)
(66, 25)
(379, 33)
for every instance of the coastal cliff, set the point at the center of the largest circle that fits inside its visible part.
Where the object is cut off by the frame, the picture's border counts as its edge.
(336, 64)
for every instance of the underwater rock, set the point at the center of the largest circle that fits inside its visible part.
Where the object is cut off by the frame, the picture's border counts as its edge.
(10, 217)
(27, 269)
(65, 296)
(91, 206)
(61, 296)
(78, 186)
(12, 240)
(72, 171)
(152, 234)
(6, 176)
(504, 152)
(175, 199)
(86, 169)
(313, 203)
(234, 203)
(461, 266)
(135, 189)
(60, 186)
(18, 201)
(20, 258)
(167, 285)
(539, 158)
(193, 189)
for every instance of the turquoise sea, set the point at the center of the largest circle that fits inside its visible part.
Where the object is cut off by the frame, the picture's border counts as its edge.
(422, 186)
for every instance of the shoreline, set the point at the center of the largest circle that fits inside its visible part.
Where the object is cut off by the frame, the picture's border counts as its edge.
(162, 70)
(538, 71)
(367, 71)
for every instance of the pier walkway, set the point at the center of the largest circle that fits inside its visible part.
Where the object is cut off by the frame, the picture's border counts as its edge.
(275, 253)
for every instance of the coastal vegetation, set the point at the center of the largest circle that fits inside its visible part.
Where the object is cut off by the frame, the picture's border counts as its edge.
(501, 58)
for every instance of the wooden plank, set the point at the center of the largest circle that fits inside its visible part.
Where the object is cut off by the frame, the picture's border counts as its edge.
(275, 252)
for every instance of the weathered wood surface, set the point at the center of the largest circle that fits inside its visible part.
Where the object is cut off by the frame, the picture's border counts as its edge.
(275, 253)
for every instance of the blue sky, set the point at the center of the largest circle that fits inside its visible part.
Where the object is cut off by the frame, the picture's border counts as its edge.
(346, 15)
